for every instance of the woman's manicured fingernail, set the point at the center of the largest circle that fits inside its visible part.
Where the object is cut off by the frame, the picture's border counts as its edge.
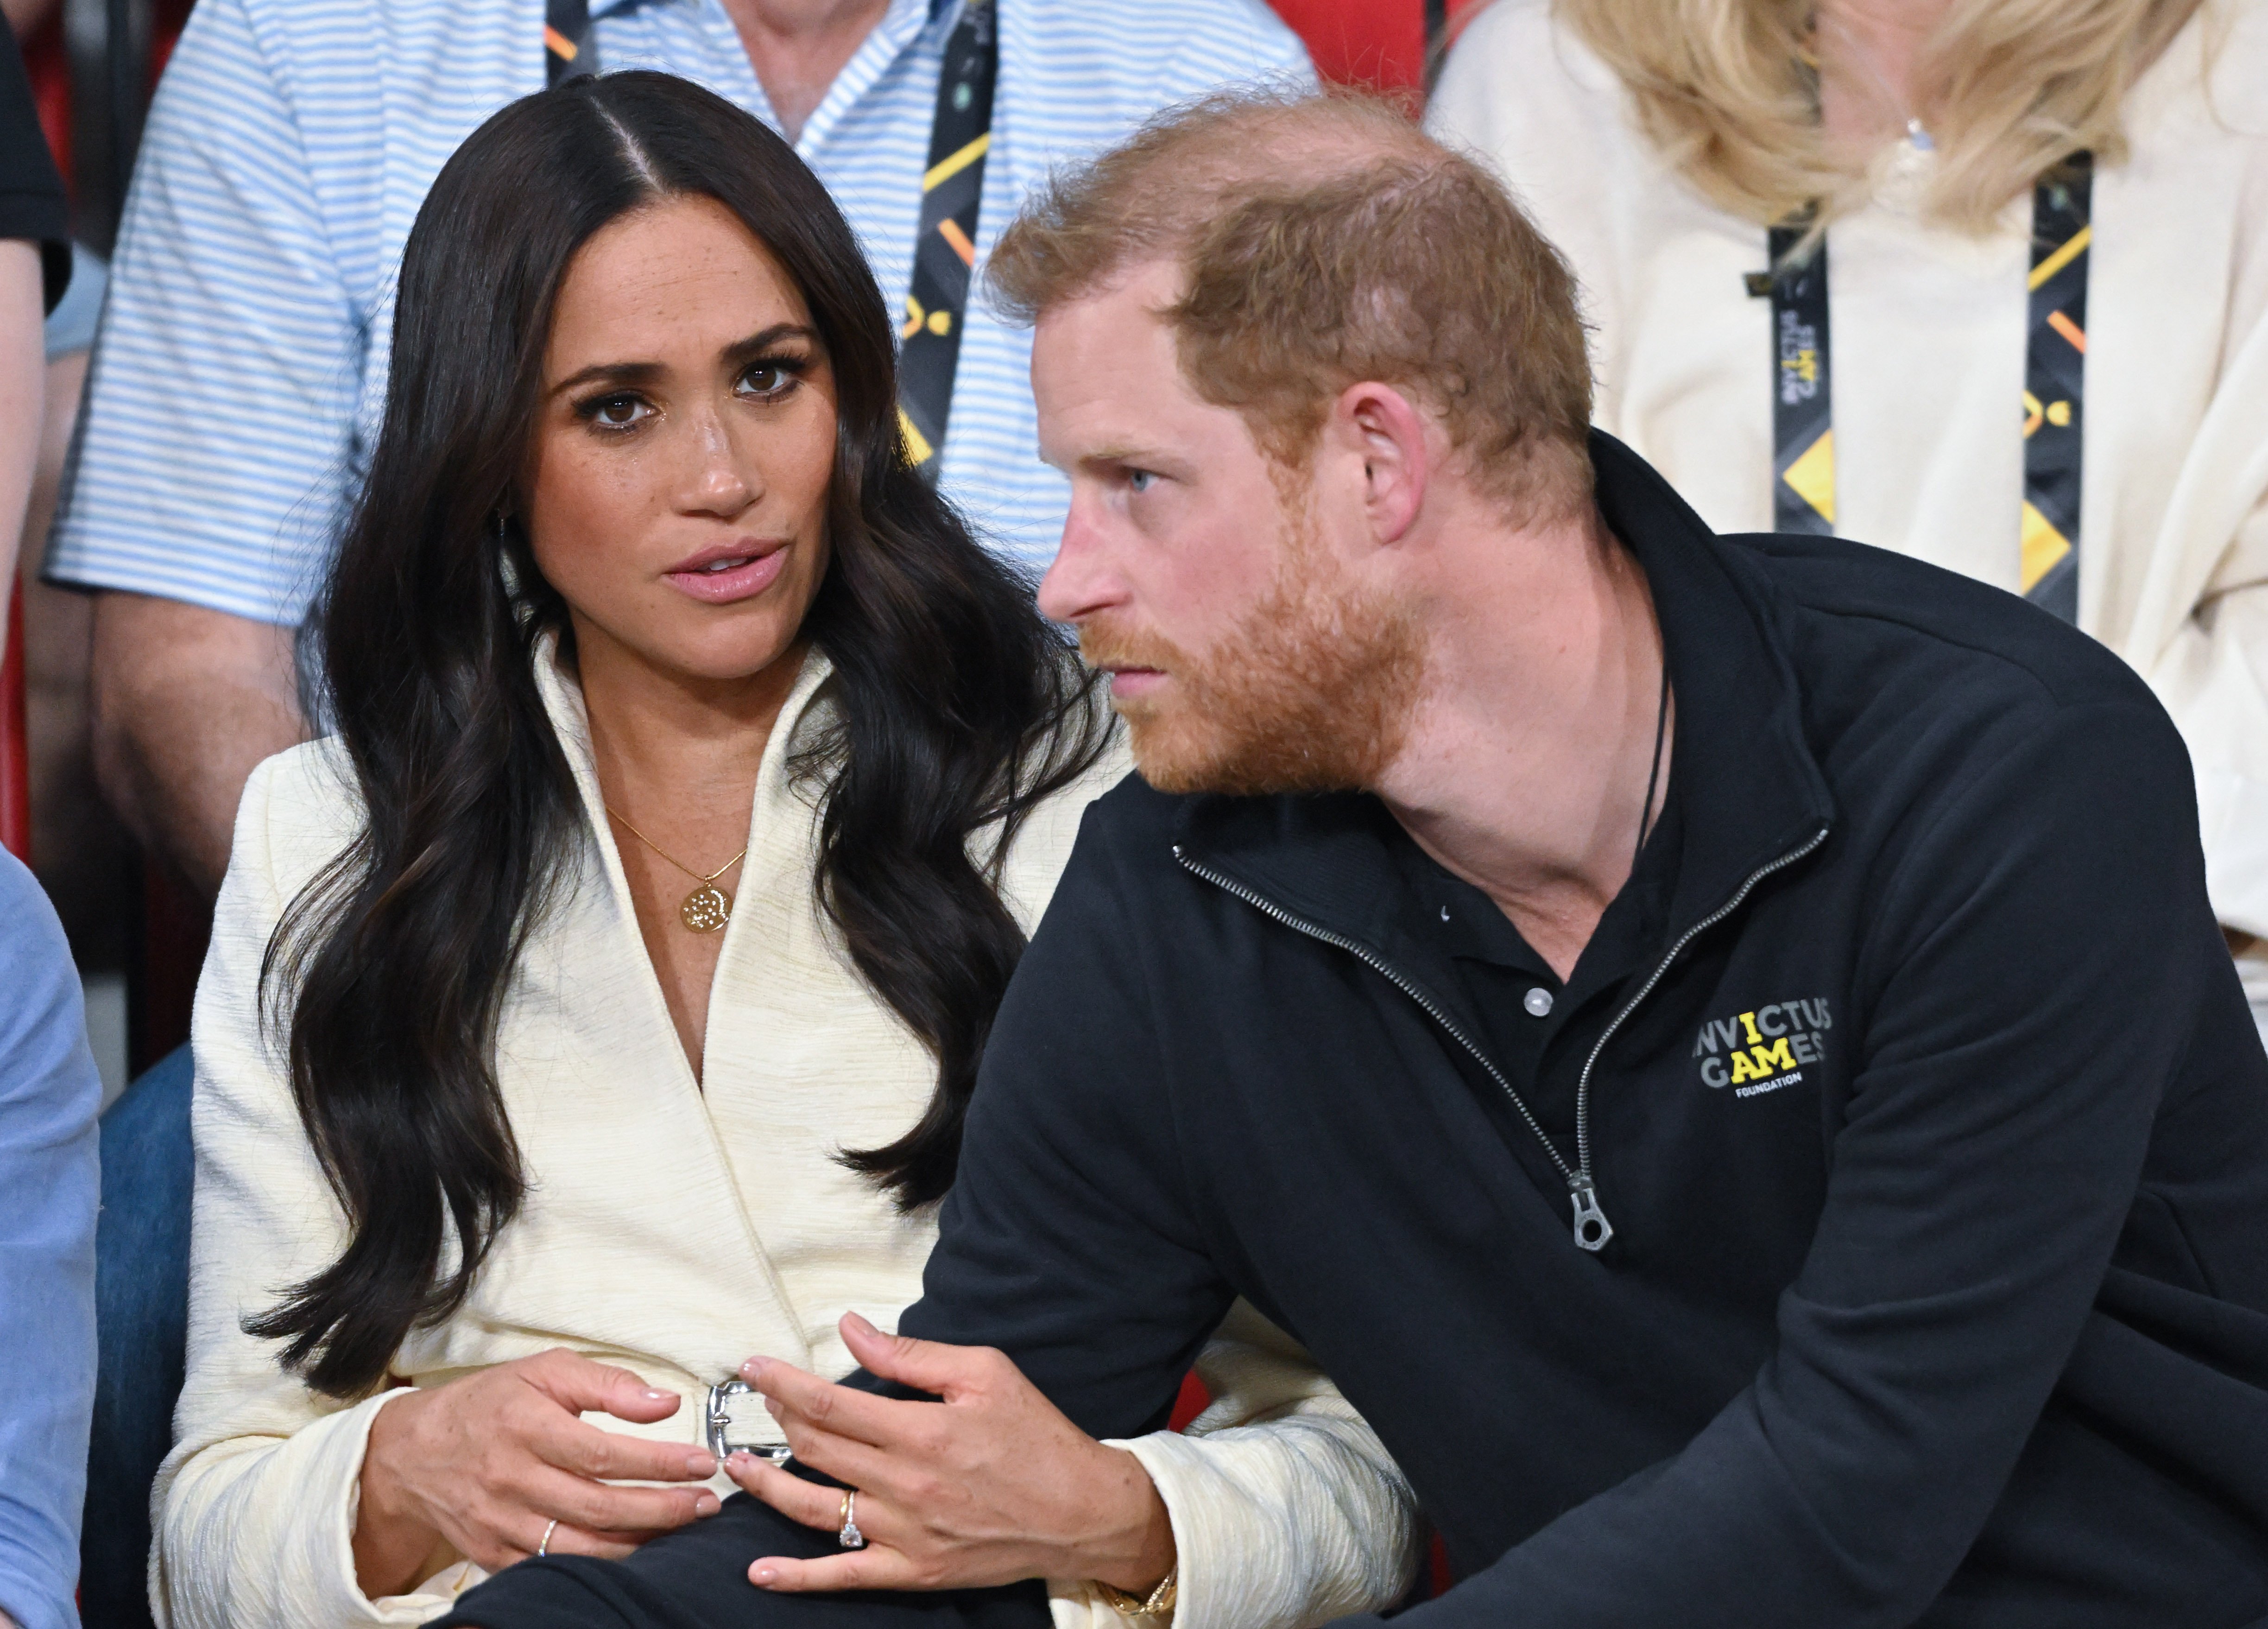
(701, 1464)
(749, 1368)
(763, 1575)
(707, 1505)
(654, 1394)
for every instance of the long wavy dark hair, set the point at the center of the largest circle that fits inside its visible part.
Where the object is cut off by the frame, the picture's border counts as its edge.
(959, 710)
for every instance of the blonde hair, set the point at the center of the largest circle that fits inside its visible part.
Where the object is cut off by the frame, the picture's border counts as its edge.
(2013, 87)
(1324, 240)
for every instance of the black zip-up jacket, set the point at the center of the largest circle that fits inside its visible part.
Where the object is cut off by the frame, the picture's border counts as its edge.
(1932, 1126)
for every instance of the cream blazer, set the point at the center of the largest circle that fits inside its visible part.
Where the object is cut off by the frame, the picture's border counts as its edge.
(1929, 332)
(669, 1228)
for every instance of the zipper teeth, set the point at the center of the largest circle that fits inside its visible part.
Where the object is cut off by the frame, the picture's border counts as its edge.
(1270, 909)
(1583, 1081)
(1580, 1176)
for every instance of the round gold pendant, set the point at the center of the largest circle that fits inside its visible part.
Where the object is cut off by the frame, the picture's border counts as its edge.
(706, 909)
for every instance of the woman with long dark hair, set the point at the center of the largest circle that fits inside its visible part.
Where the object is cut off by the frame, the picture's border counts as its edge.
(601, 1003)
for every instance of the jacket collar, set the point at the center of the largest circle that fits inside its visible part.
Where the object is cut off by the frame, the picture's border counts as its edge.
(1750, 790)
(806, 709)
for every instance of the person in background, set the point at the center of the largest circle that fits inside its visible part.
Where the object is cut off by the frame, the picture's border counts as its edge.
(1981, 281)
(35, 271)
(48, 1087)
(504, 1119)
(49, 1092)
(285, 154)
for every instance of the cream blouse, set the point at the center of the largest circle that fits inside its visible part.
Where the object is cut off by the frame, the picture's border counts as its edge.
(1929, 330)
(671, 1227)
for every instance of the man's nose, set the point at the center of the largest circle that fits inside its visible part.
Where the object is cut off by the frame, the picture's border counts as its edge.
(1077, 585)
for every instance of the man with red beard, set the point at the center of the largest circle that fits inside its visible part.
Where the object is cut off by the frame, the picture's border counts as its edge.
(1719, 1045)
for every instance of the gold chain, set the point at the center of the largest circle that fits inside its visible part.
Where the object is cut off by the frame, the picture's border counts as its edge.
(672, 858)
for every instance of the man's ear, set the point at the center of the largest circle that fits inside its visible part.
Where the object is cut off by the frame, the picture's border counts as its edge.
(1385, 428)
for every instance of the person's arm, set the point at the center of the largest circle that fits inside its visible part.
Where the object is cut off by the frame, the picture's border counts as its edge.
(1072, 1052)
(1286, 1509)
(34, 265)
(49, 1094)
(185, 702)
(252, 1508)
(261, 1510)
(1068, 1240)
(214, 457)
(22, 398)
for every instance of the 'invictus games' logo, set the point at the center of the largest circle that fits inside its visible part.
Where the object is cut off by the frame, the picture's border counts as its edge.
(1765, 1050)
(1798, 359)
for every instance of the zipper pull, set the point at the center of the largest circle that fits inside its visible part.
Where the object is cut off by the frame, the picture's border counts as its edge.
(1592, 1227)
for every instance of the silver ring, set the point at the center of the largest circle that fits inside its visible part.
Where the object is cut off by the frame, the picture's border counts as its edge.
(545, 1547)
(849, 1535)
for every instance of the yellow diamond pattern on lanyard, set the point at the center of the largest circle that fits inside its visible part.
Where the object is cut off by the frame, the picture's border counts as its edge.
(944, 249)
(1811, 477)
(1803, 412)
(2055, 379)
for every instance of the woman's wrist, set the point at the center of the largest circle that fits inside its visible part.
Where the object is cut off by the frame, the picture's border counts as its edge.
(391, 1541)
(1133, 1547)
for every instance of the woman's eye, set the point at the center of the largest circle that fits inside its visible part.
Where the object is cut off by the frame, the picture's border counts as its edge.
(619, 412)
(1139, 480)
(768, 381)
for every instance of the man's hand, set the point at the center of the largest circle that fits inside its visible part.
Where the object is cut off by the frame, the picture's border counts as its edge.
(187, 703)
(991, 1486)
(487, 1463)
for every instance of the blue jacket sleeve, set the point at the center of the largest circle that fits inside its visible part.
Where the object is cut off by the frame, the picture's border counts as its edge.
(49, 1094)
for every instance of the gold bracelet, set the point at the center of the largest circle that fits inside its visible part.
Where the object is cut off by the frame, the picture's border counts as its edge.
(1158, 1602)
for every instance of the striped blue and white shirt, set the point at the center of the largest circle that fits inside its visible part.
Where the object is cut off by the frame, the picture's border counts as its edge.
(240, 370)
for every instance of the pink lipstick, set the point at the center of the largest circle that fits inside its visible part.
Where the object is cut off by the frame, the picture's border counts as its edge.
(728, 573)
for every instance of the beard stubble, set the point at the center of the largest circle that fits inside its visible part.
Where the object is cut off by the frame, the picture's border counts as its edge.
(1312, 691)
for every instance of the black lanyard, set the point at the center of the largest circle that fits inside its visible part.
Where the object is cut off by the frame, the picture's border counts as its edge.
(952, 187)
(2054, 379)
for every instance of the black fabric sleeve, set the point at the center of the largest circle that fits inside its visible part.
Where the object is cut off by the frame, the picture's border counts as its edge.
(2038, 967)
(32, 203)
(1068, 1240)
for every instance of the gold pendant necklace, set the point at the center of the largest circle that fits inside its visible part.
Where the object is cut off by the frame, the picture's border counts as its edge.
(707, 908)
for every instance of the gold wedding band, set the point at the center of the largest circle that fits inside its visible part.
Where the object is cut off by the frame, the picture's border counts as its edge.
(545, 1547)
(848, 1535)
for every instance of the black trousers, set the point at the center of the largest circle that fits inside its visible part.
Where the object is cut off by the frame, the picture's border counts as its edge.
(697, 1578)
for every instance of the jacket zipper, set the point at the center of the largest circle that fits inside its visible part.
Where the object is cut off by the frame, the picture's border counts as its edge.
(1592, 1227)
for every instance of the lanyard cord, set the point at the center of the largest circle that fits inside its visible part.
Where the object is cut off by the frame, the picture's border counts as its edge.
(2055, 378)
(952, 187)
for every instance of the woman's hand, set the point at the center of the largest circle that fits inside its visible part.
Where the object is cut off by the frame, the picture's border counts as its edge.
(489, 1462)
(992, 1486)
